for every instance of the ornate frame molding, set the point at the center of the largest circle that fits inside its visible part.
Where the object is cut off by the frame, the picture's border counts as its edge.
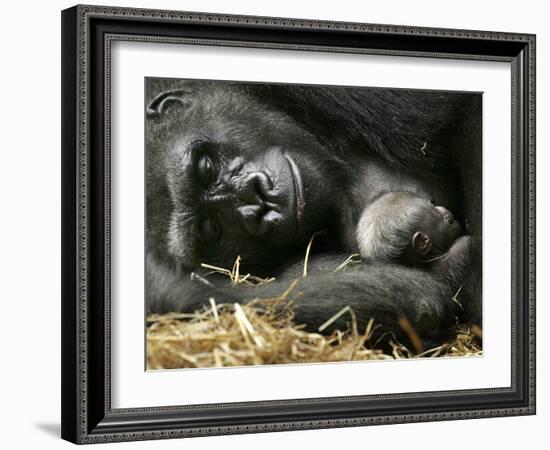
(87, 421)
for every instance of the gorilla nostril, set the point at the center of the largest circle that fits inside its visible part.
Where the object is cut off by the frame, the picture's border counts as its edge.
(264, 185)
(256, 188)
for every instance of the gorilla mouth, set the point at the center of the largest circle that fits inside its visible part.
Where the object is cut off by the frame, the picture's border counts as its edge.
(297, 180)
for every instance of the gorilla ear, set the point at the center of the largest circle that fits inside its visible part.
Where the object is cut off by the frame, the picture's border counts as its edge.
(421, 243)
(177, 99)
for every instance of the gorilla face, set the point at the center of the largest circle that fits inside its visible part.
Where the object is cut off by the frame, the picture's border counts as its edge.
(242, 180)
(437, 229)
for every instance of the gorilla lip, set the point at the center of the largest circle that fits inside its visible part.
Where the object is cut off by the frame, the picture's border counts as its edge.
(297, 180)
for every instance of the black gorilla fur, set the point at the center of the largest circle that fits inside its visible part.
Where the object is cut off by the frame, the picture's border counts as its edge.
(341, 147)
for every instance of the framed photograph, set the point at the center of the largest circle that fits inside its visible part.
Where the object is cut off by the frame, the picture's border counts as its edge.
(282, 224)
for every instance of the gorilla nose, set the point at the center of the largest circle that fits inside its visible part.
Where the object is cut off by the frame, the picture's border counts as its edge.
(255, 188)
(253, 192)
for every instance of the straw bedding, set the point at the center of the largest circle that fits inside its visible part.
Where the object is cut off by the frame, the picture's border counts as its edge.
(263, 331)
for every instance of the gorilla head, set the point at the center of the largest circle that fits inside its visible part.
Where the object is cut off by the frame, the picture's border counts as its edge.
(241, 179)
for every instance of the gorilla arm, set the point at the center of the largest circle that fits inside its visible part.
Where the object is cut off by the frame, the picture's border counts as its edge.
(383, 292)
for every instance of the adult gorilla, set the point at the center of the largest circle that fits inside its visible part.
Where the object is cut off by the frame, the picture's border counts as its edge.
(255, 170)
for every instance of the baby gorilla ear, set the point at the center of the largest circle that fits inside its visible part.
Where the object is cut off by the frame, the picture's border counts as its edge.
(421, 243)
(173, 100)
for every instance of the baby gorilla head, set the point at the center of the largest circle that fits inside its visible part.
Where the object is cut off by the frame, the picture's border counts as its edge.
(406, 228)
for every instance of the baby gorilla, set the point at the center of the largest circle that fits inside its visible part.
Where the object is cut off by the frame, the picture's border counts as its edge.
(404, 228)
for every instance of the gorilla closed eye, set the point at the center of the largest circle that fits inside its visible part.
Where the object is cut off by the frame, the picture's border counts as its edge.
(205, 170)
(203, 162)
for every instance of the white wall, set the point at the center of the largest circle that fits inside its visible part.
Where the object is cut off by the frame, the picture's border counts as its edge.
(30, 225)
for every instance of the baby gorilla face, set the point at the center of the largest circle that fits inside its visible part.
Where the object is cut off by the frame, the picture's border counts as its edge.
(436, 228)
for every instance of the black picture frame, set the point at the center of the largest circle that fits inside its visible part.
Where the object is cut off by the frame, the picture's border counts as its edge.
(87, 415)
